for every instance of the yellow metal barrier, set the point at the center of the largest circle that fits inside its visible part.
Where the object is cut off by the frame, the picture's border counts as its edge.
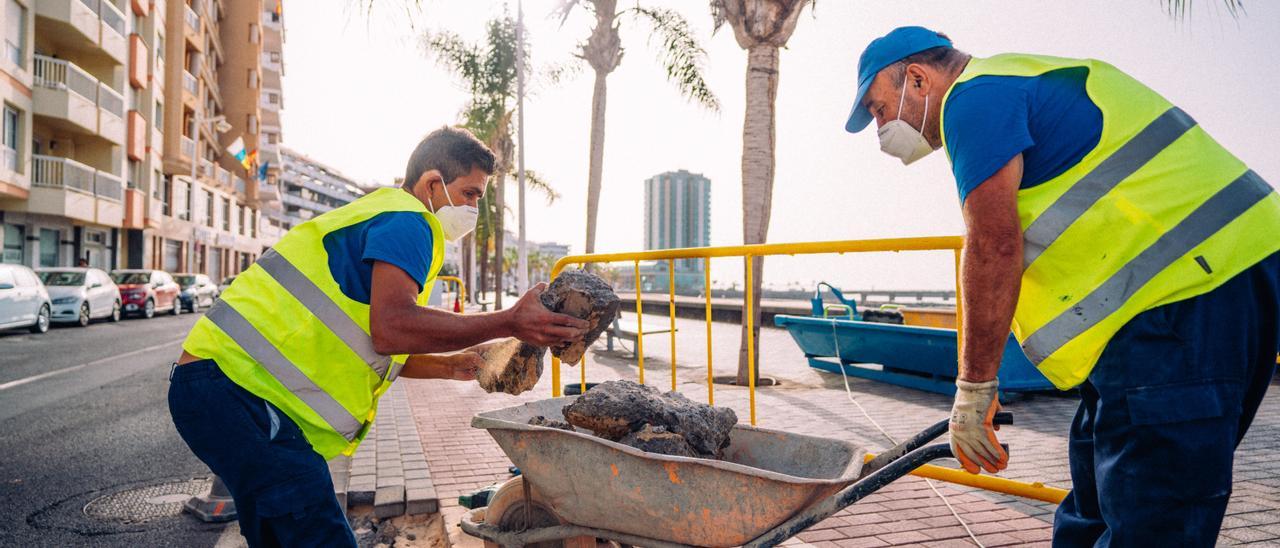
(1036, 490)
(462, 290)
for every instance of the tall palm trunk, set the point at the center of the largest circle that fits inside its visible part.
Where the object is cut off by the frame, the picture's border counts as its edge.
(483, 282)
(603, 51)
(596, 164)
(468, 248)
(758, 144)
(499, 184)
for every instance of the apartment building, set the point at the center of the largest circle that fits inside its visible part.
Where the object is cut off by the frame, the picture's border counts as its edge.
(309, 188)
(117, 115)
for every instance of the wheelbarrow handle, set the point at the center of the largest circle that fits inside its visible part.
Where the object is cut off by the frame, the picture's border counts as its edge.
(865, 486)
(925, 436)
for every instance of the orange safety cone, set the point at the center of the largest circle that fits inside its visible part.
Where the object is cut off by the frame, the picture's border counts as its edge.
(214, 507)
(457, 304)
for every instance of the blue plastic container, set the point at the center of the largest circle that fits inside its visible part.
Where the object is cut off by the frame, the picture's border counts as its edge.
(906, 355)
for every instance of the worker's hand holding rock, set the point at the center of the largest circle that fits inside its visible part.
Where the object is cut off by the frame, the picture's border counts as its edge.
(973, 436)
(531, 322)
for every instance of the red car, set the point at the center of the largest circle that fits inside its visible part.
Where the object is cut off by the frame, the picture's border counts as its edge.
(145, 292)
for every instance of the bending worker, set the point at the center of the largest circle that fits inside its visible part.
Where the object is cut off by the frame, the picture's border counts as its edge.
(285, 371)
(1134, 257)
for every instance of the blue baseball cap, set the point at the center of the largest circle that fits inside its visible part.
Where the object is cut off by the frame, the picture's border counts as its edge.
(882, 52)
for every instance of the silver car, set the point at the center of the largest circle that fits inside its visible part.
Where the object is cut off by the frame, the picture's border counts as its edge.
(81, 294)
(23, 299)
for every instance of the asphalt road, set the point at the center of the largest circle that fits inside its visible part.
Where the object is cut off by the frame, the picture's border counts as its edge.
(84, 415)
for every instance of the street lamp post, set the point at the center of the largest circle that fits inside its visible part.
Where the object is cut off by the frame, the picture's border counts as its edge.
(522, 249)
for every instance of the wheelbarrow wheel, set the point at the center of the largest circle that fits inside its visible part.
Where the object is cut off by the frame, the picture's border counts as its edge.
(506, 510)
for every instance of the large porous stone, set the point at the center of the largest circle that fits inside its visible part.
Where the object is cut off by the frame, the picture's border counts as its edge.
(540, 420)
(614, 409)
(584, 295)
(657, 439)
(510, 366)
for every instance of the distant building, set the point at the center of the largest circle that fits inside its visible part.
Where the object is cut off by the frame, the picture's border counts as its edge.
(309, 188)
(677, 214)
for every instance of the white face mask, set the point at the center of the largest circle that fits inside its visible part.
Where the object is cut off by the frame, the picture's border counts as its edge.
(900, 140)
(456, 221)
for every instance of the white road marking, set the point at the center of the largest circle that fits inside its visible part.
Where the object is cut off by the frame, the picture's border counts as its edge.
(33, 378)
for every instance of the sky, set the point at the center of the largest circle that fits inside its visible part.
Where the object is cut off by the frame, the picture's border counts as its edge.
(359, 92)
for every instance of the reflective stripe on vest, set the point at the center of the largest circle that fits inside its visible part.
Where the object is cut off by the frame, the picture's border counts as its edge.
(1207, 219)
(320, 305)
(289, 375)
(1131, 156)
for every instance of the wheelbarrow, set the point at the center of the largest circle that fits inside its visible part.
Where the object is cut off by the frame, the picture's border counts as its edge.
(770, 486)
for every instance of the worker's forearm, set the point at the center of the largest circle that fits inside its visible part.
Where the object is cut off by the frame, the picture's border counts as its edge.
(990, 280)
(427, 366)
(422, 330)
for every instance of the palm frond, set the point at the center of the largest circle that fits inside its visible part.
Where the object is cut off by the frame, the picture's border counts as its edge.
(681, 54)
(536, 182)
(565, 8)
(1179, 9)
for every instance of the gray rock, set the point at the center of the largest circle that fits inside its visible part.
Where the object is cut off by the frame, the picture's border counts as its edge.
(584, 295)
(550, 423)
(510, 366)
(615, 409)
(657, 439)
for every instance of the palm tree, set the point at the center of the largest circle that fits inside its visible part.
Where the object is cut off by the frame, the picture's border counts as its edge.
(1180, 8)
(682, 58)
(761, 27)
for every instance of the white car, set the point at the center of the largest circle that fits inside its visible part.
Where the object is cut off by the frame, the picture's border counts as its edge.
(23, 299)
(81, 294)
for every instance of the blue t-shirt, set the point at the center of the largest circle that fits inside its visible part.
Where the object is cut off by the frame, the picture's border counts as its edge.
(1048, 118)
(401, 238)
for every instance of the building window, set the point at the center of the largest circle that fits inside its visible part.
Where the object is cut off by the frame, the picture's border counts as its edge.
(273, 138)
(160, 47)
(15, 33)
(15, 237)
(273, 98)
(10, 138)
(161, 193)
(208, 208)
(275, 57)
(253, 223)
(251, 121)
(135, 169)
(253, 78)
(49, 247)
(253, 33)
(159, 116)
(226, 214)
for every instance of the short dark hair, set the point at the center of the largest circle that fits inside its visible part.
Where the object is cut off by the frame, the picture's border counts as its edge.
(453, 151)
(944, 58)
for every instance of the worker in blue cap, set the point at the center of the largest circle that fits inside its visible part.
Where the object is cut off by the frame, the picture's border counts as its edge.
(1135, 258)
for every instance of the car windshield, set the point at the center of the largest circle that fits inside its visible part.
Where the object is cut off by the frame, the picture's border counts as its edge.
(131, 277)
(62, 278)
(185, 281)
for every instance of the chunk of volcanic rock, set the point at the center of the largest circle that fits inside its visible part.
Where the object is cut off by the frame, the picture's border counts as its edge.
(584, 295)
(657, 439)
(550, 423)
(510, 366)
(614, 409)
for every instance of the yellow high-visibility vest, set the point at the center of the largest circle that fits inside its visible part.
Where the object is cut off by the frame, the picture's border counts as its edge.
(285, 332)
(1156, 213)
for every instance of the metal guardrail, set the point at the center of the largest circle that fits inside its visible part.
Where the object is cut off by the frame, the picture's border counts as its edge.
(61, 74)
(462, 289)
(1034, 490)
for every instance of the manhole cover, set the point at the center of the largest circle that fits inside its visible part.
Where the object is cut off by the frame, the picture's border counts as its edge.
(143, 504)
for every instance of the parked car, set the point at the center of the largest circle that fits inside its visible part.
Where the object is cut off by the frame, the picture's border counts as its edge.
(197, 291)
(145, 292)
(226, 282)
(81, 294)
(24, 302)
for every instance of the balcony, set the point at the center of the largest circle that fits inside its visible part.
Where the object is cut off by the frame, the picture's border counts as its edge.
(268, 192)
(134, 206)
(206, 169)
(307, 205)
(155, 209)
(136, 146)
(191, 27)
(111, 124)
(187, 146)
(112, 31)
(73, 22)
(239, 186)
(222, 176)
(190, 89)
(67, 188)
(65, 93)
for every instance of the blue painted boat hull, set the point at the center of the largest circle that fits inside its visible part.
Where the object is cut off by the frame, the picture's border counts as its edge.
(907, 355)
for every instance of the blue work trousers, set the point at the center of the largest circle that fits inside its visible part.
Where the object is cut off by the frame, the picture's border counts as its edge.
(1161, 415)
(282, 488)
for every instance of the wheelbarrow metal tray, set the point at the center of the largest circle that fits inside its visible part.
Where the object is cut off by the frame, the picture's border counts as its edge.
(766, 477)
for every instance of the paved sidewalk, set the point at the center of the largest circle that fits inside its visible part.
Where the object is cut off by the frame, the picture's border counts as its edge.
(463, 459)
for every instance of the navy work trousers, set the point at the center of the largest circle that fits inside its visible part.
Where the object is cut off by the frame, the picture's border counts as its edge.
(1161, 415)
(282, 488)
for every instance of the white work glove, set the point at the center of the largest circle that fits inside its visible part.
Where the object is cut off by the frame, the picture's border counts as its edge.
(973, 437)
